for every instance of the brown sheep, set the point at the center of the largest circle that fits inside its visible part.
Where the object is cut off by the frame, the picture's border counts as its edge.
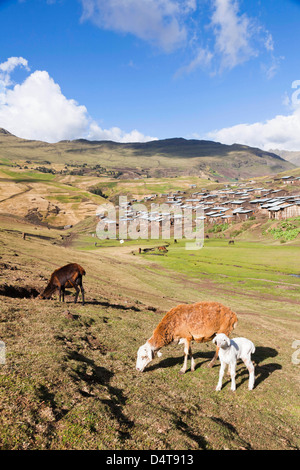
(185, 323)
(67, 276)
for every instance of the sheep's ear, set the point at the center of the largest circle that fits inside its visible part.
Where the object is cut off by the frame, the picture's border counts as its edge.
(214, 340)
(159, 354)
(228, 341)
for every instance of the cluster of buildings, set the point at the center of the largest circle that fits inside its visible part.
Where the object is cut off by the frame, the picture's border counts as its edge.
(220, 205)
(228, 205)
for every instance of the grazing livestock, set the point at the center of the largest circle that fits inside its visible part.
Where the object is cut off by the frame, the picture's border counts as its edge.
(229, 353)
(162, 248)
(67, 276)
(185, 323)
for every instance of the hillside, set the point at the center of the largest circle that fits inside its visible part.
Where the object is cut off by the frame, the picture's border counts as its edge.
(291, 156)
(70, 382)
(161, 158)
(68, 378)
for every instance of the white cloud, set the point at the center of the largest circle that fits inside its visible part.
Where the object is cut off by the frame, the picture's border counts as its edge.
(6, 68)
(116, 134)
(37, 109)
(232, 32)
(229, 37)
(160, 22)
(10, 64)
(203, 59)
(281, 132)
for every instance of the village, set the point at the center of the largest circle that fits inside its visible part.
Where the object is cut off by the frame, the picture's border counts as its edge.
(277, 199)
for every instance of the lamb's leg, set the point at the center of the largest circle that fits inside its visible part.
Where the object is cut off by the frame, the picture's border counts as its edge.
(212, 362)
(232, 374)
(221, 374)
(250, 366)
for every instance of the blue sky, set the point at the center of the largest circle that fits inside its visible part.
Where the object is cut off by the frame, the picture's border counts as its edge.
(135, 70)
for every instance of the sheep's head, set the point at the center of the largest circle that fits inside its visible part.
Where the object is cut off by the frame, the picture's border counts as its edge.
(145, 355)
(222, 341)
(42, 295)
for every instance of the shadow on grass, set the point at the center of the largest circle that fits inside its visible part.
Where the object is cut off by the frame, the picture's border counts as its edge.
(105, 303)
(102, 376)
(262, 371)
(185, 429)
(178, 360)
(48, 397)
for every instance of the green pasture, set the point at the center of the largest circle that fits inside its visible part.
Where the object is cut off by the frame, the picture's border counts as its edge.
(243, 267)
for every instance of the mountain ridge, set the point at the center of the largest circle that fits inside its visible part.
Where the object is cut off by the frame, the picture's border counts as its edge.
(157, 158)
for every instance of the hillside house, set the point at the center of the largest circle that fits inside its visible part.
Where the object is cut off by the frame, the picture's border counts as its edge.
(242, 214)
(236, 203)
(288, 179)
(227, 218)
(278, 192)
(284, 211)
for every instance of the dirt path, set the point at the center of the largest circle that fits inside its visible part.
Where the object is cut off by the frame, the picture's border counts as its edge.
(28, 188)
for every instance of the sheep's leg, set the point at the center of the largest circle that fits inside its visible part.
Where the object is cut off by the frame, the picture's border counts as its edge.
(221, 374)
(82, 294)
(77, 293)
(212, 362)
(82, 290)
(79, 283)
(59, 290)
(232, 374)
(192, 360)
(73, 284)
(186, 351)
(63, 293)
(250, 366)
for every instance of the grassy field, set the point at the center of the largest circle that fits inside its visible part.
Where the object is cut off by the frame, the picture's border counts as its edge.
(69, 381)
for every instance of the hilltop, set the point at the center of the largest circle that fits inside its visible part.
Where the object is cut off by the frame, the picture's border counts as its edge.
(158, 158)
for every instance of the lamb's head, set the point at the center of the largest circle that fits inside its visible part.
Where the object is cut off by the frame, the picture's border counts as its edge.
(222, 341)
(145, 355)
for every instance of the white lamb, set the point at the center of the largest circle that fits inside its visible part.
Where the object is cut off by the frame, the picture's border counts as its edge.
(229, 353)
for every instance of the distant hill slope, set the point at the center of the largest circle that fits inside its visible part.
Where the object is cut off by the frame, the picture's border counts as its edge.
(159, 158)
(290, 156)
